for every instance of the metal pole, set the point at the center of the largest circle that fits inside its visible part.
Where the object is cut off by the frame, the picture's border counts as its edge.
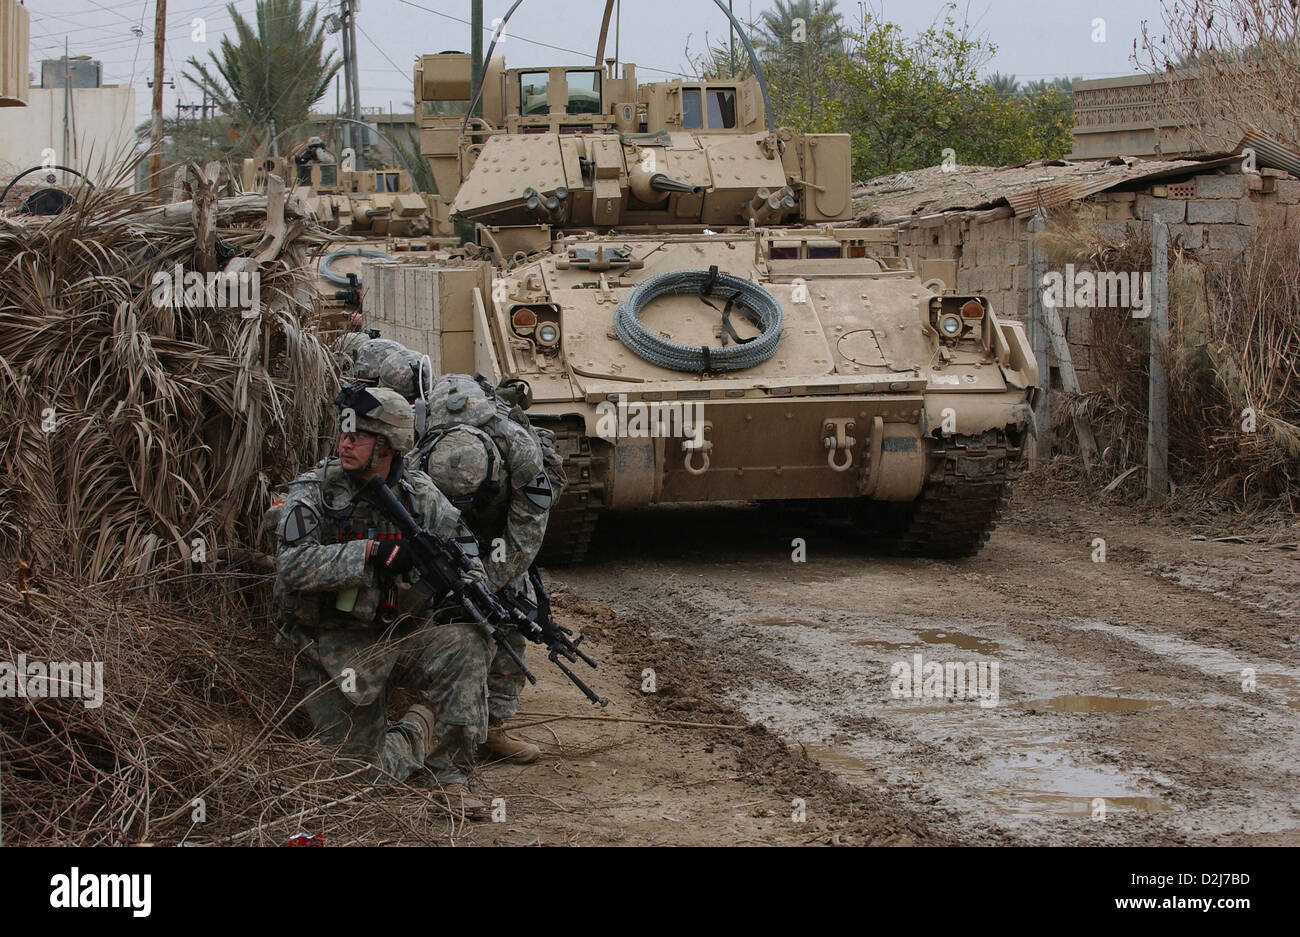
(604, 34)
(475, 54)
(350, 135)
(159, 34)
(1158, 385)
(731, 43)
(67, 93)
(1036, 326)
(356, 81)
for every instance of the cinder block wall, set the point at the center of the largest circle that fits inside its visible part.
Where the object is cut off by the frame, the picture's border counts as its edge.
(1214, 216)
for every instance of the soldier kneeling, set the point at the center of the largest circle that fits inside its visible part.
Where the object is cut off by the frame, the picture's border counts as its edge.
(343, 582)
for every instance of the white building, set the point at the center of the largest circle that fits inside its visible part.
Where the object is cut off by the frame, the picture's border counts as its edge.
(90, 129)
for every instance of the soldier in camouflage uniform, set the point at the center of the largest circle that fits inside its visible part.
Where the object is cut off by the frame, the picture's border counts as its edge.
(343, 582)
(346, 345)
(493, 469)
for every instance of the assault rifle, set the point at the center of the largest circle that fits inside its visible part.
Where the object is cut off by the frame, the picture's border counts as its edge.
(444, 568)
(539, 627)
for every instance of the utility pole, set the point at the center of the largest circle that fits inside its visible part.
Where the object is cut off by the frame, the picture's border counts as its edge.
(159, 33)
(348, 133)
(347, 25)
(356, 81)
(476, 52)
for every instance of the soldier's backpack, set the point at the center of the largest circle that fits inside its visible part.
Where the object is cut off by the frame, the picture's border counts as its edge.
(471, 435)
(457, 399)
(513, 396)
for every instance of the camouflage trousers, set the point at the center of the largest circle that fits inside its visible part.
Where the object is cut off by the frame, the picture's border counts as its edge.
(446, 666)
(505, 680)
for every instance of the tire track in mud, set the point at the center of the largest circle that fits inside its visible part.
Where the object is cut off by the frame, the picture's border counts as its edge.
(837, 810)
(1117, 682)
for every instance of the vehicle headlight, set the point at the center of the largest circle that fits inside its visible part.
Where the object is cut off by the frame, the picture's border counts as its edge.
(950, 325)
(548, 333)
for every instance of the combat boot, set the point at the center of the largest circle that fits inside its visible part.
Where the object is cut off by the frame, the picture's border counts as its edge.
(417, 725)
(501, 747)
(462, 805)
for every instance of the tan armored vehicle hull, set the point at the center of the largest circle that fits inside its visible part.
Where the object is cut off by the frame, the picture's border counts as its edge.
(862, 402)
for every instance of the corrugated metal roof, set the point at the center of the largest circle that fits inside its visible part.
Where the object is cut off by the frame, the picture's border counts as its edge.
(1270, 154)
(934, 190)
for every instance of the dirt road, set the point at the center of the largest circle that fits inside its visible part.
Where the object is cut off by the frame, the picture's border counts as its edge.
(1123, 711)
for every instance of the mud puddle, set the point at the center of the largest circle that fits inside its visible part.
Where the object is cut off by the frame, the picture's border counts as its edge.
(1235, 670)
(1091, 704)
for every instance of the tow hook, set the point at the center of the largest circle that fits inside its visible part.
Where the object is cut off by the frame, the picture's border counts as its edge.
(696, 443)
(836, 438)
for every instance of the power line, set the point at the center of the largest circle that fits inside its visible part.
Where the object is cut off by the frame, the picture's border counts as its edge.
(144, 8)
(37, 17)
(396, 67)
(536, 42)
(110, 10)
(181, 15)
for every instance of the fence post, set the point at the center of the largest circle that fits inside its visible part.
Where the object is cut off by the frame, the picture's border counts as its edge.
(1158, 382)
(1036, 326)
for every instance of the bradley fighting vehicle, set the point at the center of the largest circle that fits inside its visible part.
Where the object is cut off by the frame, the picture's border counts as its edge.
(672, 279)
(378, 209)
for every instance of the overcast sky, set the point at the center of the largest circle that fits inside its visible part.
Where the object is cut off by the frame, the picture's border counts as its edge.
(1035, 38)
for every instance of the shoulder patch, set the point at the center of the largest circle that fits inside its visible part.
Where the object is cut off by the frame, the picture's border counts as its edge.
(299, 521)
(468, 542)
(538, 491)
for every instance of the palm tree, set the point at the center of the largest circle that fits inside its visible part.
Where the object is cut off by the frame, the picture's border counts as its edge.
(270, 76)
(1032, 89)
(823, 28)
(1005, 85)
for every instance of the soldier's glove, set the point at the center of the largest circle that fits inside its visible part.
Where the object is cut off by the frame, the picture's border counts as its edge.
(392, 557)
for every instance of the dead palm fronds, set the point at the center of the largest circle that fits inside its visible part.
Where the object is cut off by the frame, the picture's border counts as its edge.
(143, 437)
(140, 428)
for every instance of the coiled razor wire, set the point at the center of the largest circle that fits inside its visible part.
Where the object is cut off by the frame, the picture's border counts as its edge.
(700, 359)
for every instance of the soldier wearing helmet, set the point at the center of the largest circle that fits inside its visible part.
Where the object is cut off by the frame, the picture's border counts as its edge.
(383, 362)
(343, 578)
(493, 469)
(346, 345)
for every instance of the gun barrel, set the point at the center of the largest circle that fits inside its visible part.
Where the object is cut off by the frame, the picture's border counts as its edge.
(661, 183)
(577, 681)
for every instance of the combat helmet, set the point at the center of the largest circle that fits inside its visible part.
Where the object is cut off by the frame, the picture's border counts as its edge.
(378, 410)
(406, 372)
(370, 356)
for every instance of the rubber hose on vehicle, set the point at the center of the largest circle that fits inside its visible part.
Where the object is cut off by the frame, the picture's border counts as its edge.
(339, 279)
(695, 358)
